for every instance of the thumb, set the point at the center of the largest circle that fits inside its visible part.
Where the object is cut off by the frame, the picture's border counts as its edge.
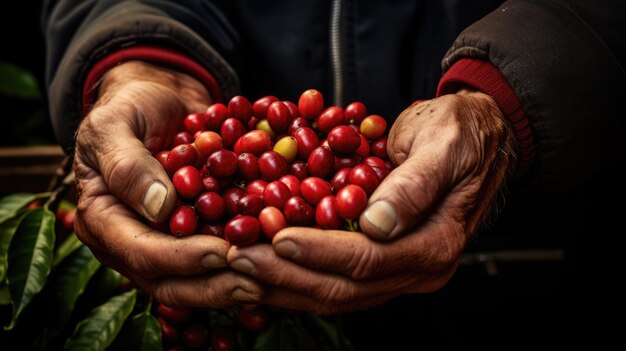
(422, 149)
(128, 169)
(406, 195)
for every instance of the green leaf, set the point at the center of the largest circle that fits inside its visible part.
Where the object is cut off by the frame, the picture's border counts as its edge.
(105, 283)
(100, 328)
(17, 82)
(69, 245)
(30, 258)
(5, 295)
(71, 280)
(7, 231)
(11, 204)
(140, 333)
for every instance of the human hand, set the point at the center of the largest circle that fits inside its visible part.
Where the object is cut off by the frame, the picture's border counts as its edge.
(119, 182)
(452, 156)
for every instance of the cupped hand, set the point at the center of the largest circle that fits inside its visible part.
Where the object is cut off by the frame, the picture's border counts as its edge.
(122, 186)
(452, 155)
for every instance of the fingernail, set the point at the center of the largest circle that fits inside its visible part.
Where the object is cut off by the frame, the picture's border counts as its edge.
(243, 265)
(240, 294)
(213, 261)
(154, 198)
(287, 248)
(381, 215)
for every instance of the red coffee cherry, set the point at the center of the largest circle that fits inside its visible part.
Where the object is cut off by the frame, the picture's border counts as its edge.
(330, 118)
(279, 117)
(326, 213)
(183, 221)
(321, 162)
(355, 112)
(242, 230)
(344, 140)
(351, 201)
(272, 165)
(259, 107)
(174, 315)
(222, 164)
(193, 123)
(210, 206)
(179, 156)
(187, 182)
(313, 189)
(311, 104)
(240, 108)
(364, 176)
(298, 212)
(272, 221)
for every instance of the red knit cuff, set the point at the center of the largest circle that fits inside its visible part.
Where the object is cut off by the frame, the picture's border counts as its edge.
(156, 55)
(484, 76)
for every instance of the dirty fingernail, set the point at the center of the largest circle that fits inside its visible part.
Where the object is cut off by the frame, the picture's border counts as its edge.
(240, 294)
(382, 216)
(243, 265)
(287, 248)
(213, 261)
(154, 198)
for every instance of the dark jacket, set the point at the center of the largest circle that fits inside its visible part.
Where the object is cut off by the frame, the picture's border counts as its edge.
(565, 61)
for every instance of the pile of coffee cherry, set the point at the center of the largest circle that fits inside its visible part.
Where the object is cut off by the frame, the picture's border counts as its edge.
(243, 171)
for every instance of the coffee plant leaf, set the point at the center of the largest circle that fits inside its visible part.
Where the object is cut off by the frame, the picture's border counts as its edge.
(71, 279)
(7, 231)
(99, 329)
(142, 332)
(67, 247)
(10, 205)
(30, 258)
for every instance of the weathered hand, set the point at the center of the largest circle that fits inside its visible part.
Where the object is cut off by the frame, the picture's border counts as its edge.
(119, 181)
(452, 156)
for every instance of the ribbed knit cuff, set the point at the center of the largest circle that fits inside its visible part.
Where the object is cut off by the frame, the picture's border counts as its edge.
(484, 76)
(152, 54)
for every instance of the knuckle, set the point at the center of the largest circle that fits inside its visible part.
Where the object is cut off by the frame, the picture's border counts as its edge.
(164, 293)
(425, 185)
(366, 264)
(334, 292)
(415, 197)
(120, 167)
(216, 295)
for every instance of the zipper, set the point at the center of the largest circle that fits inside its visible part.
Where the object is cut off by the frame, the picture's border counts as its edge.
(336, 61)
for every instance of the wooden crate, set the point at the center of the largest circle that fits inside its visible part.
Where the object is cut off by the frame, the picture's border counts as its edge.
(28, 169)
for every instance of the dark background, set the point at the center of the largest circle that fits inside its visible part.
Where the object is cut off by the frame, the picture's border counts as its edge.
(25, 121)
(22, 38)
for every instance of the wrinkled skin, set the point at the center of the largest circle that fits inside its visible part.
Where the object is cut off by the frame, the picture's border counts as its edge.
(137, 111)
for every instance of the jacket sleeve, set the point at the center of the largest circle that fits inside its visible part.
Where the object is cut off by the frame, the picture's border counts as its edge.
(79, 34)
(565, 61)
